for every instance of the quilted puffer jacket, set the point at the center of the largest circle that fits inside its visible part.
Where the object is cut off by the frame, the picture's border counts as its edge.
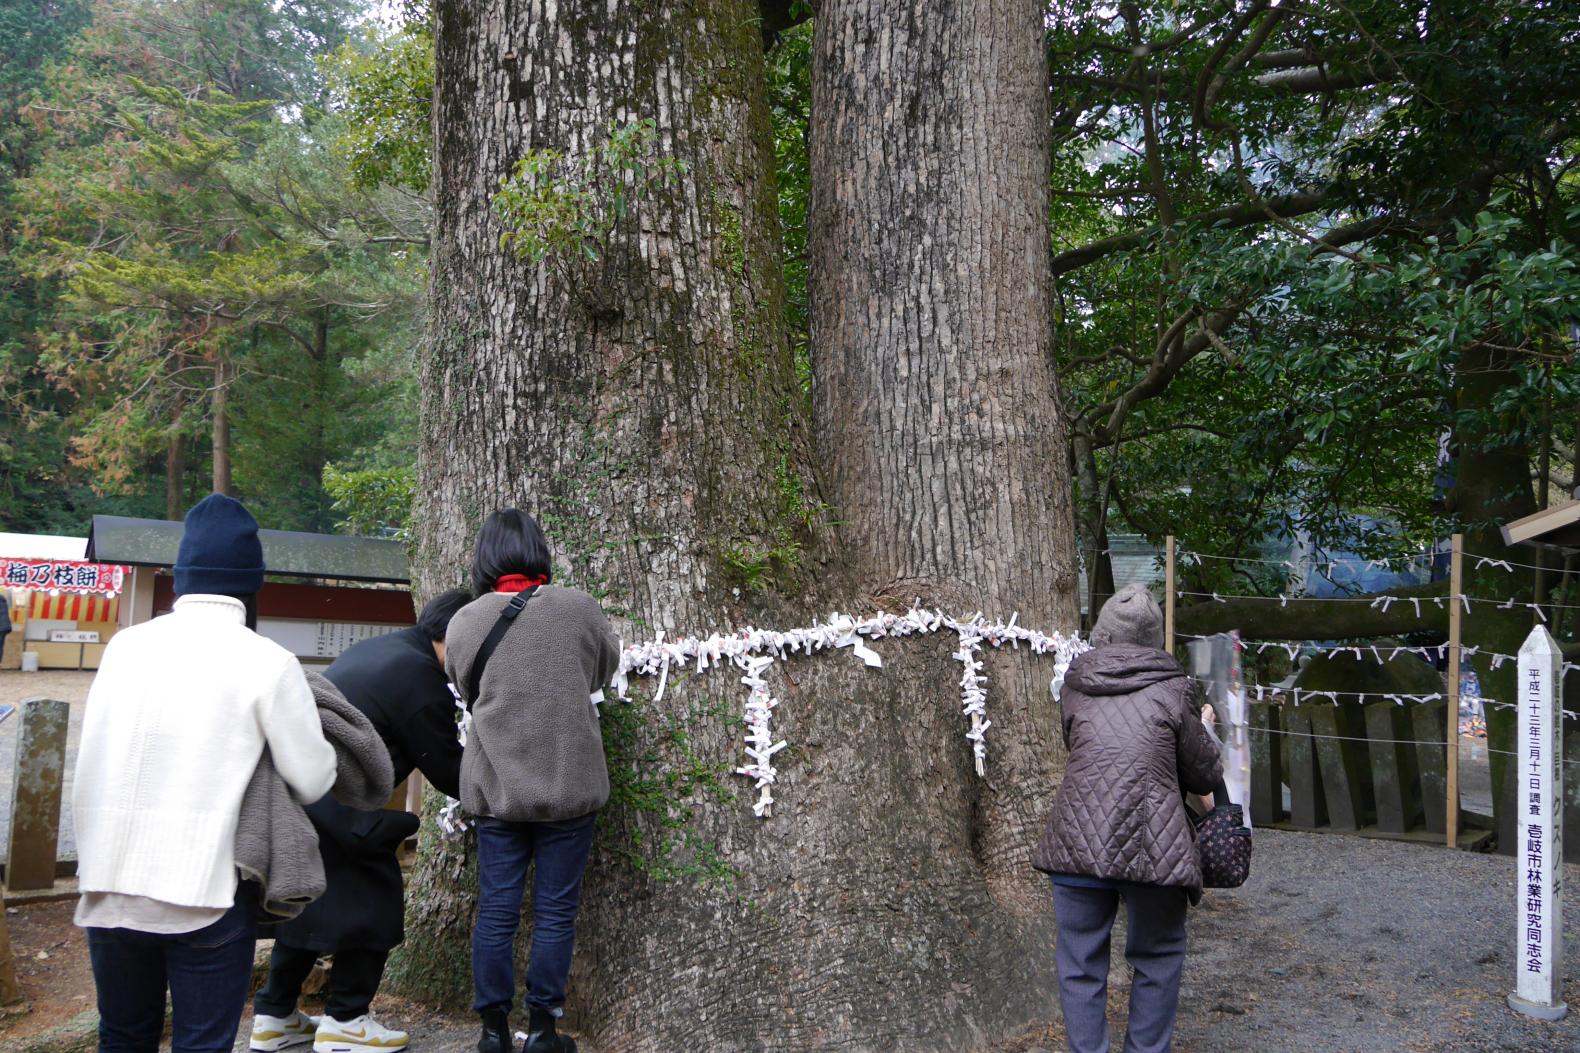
(1135, 737)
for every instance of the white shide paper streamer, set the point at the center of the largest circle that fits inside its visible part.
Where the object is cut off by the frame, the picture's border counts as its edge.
(753, 651)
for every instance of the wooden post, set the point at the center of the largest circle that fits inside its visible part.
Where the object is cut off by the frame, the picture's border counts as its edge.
(1456, 588)
(1267, 765)
(35, 794)
(1168, 595)
(10, 989)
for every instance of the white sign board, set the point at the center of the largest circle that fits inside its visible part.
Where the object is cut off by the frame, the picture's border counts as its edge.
(320, 641)
(73, 636)
(335, 637)
(1538, 831)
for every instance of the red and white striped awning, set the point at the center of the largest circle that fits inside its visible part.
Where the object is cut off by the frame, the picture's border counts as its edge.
(74, 608)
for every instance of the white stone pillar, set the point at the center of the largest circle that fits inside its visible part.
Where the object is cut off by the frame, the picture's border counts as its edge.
(1538, 827)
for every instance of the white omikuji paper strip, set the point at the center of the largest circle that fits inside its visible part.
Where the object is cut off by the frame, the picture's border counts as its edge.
(753, 652)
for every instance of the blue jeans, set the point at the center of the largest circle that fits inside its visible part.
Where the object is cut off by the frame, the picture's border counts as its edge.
(504, 851)
(207, 973)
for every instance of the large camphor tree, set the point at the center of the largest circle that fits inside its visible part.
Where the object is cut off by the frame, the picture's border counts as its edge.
(607, 349)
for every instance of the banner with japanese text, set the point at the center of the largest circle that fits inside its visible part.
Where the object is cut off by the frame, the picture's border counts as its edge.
(63, 575)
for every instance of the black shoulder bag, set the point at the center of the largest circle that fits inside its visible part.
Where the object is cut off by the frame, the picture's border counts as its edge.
(474, 679)
(1223, 844)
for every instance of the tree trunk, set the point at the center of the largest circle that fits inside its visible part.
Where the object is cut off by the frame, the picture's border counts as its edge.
(649, 414)
(938, 419)
(326, 368)
(1491, 487)
(1091, 528)
(221, 426)
(175, 477)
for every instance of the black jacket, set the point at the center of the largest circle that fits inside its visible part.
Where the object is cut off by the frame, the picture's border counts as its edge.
(396, 680)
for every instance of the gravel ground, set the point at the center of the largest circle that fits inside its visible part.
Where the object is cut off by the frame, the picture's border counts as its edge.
(67, 686)
(1348, 944)
(1336, 945)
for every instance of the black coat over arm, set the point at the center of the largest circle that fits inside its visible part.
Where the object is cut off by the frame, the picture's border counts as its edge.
(398, 682)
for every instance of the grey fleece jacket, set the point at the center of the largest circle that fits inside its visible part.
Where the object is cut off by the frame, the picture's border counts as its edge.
(276, 844)
(534, 752)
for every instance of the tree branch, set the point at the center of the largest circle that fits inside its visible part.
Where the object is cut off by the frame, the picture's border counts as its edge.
(1319, 79)
(1214, 91)
(776, 16)
(1287, 206)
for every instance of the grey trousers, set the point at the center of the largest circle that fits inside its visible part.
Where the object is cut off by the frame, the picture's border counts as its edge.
(1155, 948)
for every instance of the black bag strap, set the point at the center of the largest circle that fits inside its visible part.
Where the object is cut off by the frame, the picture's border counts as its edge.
(474, 678)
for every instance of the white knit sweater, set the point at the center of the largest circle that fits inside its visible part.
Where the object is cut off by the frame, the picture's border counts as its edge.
(177, 719)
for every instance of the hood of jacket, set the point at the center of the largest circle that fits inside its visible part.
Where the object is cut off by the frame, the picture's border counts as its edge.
(1120, 669)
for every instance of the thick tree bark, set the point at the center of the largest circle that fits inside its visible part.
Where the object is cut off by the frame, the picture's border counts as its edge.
(938, 421)
(936, 406)
(649, 417)
(653, 421)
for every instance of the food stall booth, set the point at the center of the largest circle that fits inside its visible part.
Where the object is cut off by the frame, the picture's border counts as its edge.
(324, 592)
(63, 608)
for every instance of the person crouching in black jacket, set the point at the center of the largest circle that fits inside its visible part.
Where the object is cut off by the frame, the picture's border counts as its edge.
(399, 682)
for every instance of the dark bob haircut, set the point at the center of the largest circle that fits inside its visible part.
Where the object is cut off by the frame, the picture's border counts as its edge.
(434, 621)
(511, 542)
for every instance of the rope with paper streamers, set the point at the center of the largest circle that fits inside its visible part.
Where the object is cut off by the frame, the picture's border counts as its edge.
(1274, 695)
(1189, 558)
(753, 651)
(1294, 648)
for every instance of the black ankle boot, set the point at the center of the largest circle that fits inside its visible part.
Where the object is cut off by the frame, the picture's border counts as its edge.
(496, 1036)
(541, 1036)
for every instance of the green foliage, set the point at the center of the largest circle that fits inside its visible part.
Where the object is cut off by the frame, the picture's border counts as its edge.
(1240, 380)
(382, 84)
(191, 216)
(566, 210)
(373, 502)
(789, 76)
(37, 489)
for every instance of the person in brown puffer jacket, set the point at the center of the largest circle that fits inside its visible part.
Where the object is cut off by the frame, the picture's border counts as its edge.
(1119, 828)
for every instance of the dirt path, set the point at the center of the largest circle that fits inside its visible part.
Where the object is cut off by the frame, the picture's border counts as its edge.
(1337, 945)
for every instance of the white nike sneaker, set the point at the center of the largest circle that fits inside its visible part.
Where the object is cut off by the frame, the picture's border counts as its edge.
(361, 1035)
(273, 1033)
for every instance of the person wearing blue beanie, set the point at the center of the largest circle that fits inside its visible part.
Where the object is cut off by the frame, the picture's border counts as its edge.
(178, 716)
(220, 553)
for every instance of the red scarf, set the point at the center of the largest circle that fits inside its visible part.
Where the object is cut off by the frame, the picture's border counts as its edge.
(518, 583)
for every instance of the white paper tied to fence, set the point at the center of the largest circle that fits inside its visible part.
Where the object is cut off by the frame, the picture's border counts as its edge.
(753, 651)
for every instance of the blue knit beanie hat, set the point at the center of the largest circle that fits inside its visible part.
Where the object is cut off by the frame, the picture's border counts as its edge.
(220, 552)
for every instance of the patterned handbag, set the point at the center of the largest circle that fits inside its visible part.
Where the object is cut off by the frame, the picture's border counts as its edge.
(1223, 844)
